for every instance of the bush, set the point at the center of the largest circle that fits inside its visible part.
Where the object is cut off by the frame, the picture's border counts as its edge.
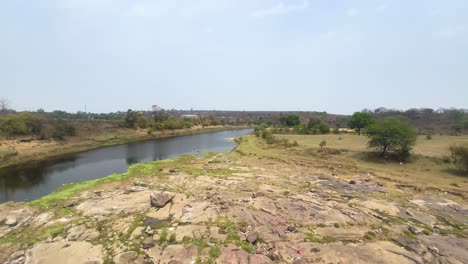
(21, 124)
(459, 155)
(62, 129)
(429, 136)
(323, 143)
(317, 126)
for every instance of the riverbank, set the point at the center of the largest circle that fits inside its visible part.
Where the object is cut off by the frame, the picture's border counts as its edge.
(260, 203)
(91, 135)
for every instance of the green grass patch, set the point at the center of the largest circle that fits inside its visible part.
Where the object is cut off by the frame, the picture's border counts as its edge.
(214, 252)
(245, 246)
(318, 239)
(53, 231)
(370, 235)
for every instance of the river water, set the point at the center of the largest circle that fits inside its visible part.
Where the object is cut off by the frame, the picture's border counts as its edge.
(31, 181)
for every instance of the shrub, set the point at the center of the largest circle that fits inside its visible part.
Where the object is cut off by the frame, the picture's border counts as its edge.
(317, 126)
(21, 124)
(62, 129)
(429, 136)
(459, 155)
(323, 143)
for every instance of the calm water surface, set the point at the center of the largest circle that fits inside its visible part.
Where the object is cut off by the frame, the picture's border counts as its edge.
(32, 181)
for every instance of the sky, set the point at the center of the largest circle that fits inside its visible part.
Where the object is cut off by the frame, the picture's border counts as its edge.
(296, 55)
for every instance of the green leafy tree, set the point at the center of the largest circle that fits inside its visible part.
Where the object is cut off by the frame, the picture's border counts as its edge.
(359, 121)
(392, 134)
(292, 120)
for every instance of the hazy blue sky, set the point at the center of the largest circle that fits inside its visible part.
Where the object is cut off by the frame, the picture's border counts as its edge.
(335, 56)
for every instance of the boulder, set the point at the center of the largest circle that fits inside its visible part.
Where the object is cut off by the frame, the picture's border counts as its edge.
(160, 199)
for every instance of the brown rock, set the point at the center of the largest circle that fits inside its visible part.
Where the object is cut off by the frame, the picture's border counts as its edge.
(160, 199)
(252, 237)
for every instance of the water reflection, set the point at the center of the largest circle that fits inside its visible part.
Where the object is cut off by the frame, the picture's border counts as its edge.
(37, 179)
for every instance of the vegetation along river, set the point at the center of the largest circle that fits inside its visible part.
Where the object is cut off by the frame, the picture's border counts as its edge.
(36, 179)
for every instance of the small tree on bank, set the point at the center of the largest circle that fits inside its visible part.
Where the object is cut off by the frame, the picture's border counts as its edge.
(359, 121)
(392, 134)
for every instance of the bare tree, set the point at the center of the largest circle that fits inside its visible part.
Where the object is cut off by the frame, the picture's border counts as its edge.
(4, 104)
(159, 114)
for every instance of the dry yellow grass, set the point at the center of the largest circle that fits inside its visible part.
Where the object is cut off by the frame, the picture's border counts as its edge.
(436, 147)
(425, 169)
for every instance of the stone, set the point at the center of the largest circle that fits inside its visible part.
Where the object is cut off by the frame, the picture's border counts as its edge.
(252, 237)
(11, 221)
(147, 243)
(17, 254)
(291, 229)
(149, 231)
(160, 199)
(129, 257)
(414, 230)
(352, 182)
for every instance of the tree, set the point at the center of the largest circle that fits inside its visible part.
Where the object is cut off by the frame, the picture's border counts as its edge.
(292, 120)
(131, 119)
(4, 104)
(360, 120)
(159, 114)
(392, 134)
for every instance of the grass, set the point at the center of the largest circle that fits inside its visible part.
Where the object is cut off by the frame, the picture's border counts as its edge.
(353, 157)
(5, 153)
(436, 147)
(317, 239)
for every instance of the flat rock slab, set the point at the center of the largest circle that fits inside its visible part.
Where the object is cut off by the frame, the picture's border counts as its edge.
(455, 248)
(178, 254)
(348, 234)
(115, 204)
(380, 205)
(378, 252)
(64, 253)
(420, 217)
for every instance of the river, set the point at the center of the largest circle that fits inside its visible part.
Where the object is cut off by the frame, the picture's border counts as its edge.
(36, 179)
